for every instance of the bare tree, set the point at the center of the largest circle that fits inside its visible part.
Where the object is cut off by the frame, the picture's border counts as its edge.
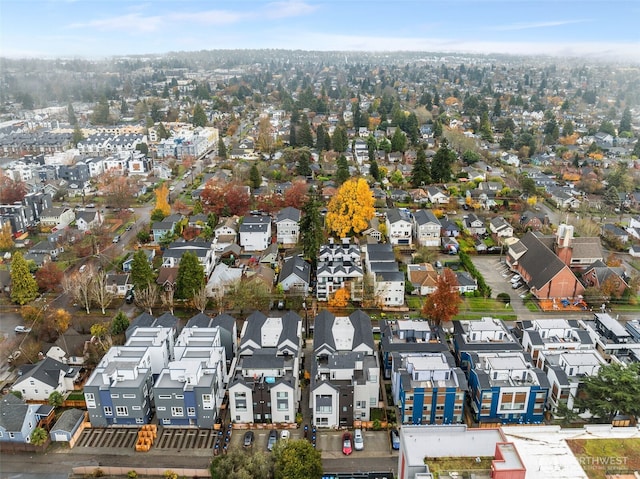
(167, 299)
(99, 292)
(200, 299)
(79, 288)
(148, 297)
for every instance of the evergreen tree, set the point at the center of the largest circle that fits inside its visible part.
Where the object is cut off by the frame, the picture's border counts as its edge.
(293, 137)
(190, 276)
(636, 149)
(311, 228)
(222, 149)
(412, 128)
(255, 179)
(71, 115)
(437, 129)
(321, 143)
(342, 172)
(485, 128)
(340, 141)
(77, 135)
(199, 116)
(124, 108)
(305, 137)
(119, 323)
(141, 272)
(24, 287)
(420, 174)
(398, 141)
(567, 128)
(304, 159)
(625, 121)
(497, 109)
(507, 141)
(162, 132)
(441, 164)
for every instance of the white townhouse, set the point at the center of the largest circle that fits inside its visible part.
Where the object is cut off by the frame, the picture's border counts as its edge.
(255, 233)
(427, 228)
(399, 227)
(288, 226)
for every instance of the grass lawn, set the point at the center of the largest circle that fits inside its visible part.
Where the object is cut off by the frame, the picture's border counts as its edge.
(414, 302)
(598, 456)
(483, 304)
(531, 306)
(76, 396)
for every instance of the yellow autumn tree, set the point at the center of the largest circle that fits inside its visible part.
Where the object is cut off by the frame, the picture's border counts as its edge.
(351, 208)
(162, 199)
(340, 299)
(6, 238)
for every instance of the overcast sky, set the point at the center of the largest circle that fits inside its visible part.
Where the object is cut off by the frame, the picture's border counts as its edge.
(99, 28)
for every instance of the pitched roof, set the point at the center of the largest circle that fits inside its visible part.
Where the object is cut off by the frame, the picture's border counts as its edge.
(539, 261)
(296, 265)
(12, 412)
(424, 217)
(288, 213)
(46, 371)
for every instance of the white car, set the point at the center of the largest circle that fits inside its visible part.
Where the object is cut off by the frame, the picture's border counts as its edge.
(22, 329)
(83, 268)
(358, 440)
(285, 434)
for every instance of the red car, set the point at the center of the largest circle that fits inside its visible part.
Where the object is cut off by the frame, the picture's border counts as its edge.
(347, 444)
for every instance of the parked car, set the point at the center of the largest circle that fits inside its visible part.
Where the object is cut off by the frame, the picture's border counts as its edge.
(130, 296)
(273, 438)
(395, 439)
(516, 285)
(82, 268)
(248, 439)
(116, 238)
(358, 440)
(347, 444)
(22, 329)
(285, 434)
(515, 279)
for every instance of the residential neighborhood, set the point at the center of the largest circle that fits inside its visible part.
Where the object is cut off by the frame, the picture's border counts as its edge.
(329, 253)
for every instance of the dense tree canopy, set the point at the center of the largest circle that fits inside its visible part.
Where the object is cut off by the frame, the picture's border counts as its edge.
(297, 460)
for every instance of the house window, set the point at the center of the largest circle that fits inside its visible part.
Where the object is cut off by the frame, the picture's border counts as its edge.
(129, 396)
(108, 411)
(177, 411)
(207, 401)
(164, 396)
(139, 420)
(115, 396)
(179, 396)
(191, 411)
(241, 401)
(166, 421)
(136, 408)
(161, 408)
(282, 400)
(122, 411)
(322, 421)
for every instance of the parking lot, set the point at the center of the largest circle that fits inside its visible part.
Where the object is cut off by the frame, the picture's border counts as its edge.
(207, 441)
(498, 276)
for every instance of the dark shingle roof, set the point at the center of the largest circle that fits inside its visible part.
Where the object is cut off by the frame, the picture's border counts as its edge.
(539, 262)
(68, 420)
(12, 413)
(46, 371)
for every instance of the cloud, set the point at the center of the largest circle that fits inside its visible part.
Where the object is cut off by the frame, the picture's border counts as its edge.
(534, 25)
(131, 22)
(292, 8)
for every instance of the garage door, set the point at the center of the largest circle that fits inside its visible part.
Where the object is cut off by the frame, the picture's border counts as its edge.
(60, 436)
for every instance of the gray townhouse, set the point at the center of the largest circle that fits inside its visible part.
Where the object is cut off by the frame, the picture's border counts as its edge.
(190, 390)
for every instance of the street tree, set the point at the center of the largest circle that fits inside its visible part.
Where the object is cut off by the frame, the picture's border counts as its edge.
(49, 276)
(78, 287)
(147, 297)
(614, 390)
(420, 174)
(24, 287)
(200, 299)
(225, 199)
(340, 298)
(190, 276)
(443, 304)
(350, 210)
(297, 459)
(99, 292)
(142, 274)
(237, 464)
(6, 237)
(162, 199)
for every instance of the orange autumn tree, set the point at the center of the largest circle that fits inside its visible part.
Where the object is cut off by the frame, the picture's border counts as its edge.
(340, 299)
(444, 303)
(162, 199)
(350, 210)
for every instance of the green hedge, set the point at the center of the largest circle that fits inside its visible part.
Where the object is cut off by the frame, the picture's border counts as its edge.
(483, 287)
